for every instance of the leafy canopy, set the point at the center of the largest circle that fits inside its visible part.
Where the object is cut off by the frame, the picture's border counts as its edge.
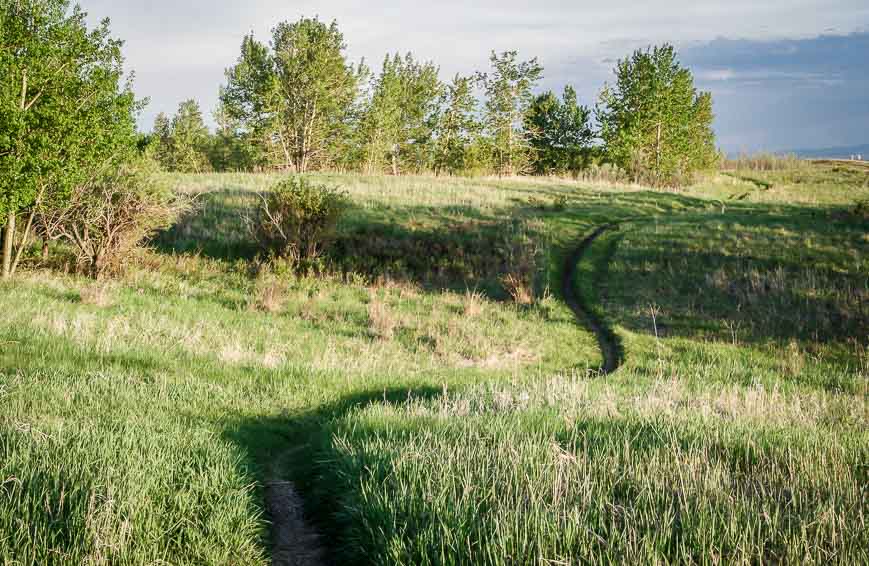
(508, 88)
(653, 122)
(182, 144)
(293, 97)
(398, 122)
(457, 126)
(559, 132)
(64, 113)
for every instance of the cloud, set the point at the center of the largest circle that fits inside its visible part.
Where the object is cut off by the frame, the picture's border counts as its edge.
(788, 93)
(716, 74)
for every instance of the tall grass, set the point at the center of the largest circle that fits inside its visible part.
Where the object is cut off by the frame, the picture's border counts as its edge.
(430, 422)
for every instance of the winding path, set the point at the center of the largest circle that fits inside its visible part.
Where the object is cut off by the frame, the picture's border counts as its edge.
(296, 543)
(610, 346)
(294, 540)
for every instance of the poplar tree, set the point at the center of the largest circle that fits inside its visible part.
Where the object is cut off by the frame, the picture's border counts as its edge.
(190, 139)
(231, 148)
(653, 122)
(559, 131)
(457, 125)
(295, 95)
(65, 115)
(183, 143)
(508, 88)
(400, 118)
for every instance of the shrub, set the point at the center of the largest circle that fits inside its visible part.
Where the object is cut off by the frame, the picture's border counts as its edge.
(109, 217)
(524, 262)
(298, 218)
(519, 288)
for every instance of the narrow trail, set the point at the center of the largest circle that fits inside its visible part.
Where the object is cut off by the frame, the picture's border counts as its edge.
(293, 541)
(607, 340)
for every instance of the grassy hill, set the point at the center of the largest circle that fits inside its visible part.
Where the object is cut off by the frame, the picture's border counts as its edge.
(430, 410)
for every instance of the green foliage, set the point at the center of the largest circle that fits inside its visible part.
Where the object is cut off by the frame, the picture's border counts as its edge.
(231, 148)
(295, 97)
(298, 105)
(183, 144)
(560, 133)
(653, 122)
(508, 89)
(64, 113)
(298, 218)
(399, 120)
(457, 126)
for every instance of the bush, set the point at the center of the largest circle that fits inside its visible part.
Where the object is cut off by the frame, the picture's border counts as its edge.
(298, 218)
(108, 218)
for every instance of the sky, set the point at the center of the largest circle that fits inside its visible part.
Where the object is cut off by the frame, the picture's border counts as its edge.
(784, 74)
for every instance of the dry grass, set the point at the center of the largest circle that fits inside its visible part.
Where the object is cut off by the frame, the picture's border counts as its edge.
(573, 396)
(270, 294)
(519, 288)
(765, 162)
(472, 303)
(382, 322)
(98, 294)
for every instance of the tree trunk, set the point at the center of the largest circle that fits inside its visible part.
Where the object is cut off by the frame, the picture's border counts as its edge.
(658, 156)
(97, 265)
(8, 237)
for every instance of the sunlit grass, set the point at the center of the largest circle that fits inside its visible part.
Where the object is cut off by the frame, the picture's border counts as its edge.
(427, 418)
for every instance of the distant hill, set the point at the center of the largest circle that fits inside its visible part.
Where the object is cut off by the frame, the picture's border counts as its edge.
(844, 152)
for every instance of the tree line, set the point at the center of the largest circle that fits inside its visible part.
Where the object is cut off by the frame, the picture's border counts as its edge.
(298, 104)
(73, 167)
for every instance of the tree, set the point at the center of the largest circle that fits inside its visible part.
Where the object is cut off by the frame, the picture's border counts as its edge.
(231, 148)
(400, 117)
(190, 139)
(64, 114)
(653, 122)
(559, 132)
(508, 93)
(160, 140)
(183, 143)
(457, 125)
(295, 96)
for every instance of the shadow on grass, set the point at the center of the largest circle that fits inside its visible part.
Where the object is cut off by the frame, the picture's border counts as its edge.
(459, 246)
(754, 291)
(302, 448)
(216, 227)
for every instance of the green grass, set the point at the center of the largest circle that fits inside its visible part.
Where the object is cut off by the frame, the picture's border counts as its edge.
(427, 419)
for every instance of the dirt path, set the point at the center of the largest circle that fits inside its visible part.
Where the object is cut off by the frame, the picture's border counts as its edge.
(606, 338)
(294, 541)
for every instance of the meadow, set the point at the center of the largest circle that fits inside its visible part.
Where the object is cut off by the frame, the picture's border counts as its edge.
(430, 395)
